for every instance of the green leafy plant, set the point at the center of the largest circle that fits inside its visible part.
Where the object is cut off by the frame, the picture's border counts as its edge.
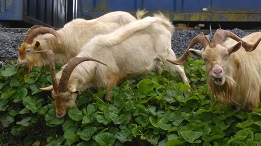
(151, 110)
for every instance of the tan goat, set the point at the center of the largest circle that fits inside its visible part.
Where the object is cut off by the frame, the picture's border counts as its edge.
(233, 67)
(129, 52)
(67, 41)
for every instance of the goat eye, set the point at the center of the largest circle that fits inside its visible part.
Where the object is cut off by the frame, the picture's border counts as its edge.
(205, 59)
(27, 50)
(68, 99)
(225, 55)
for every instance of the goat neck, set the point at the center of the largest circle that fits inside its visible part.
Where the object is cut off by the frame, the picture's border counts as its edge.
(69, 68)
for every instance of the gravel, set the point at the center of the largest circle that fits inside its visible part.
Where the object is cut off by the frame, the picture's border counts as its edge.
(11, 38)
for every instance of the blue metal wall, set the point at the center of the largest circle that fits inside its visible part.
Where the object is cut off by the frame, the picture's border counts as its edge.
(58, 12)
(11, 10)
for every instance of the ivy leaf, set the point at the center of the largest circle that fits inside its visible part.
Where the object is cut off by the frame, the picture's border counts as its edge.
(8, 120)
(124, 135)
(91, 109)
(70, 133)
(12, 70)
(190, 136)
(87, 133)
(8, 94)
(105, 139)
(146, 86)
(25, 122)
(56, 142)
(34, 89)
(75, 114)
(20, 94)
(3, 104)
(32, 104)
(51, 119)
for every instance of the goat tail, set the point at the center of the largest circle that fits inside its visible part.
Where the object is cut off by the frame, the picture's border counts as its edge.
(165, 21)
(140, 14)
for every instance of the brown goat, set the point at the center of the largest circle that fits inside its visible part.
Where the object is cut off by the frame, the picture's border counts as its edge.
(233, 67)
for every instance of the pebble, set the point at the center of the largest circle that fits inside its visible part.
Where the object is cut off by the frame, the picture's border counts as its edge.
(11, 38)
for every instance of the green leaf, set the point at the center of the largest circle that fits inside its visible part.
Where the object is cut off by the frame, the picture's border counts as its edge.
(8, 120)
(190, 136)
(91, 109)
(147, 87)
(245, 124)
(17, 130)
(105, 139)
(103, 119)
(242, 135)
(51, 119)
(87, 133)
(20, 94)
(56, 142)
(15, 82)
(34, 89)
(7, 94)
(153, 121)
(142, 120)
(86, 119)
(174, 142)
(2, 85)
(124, 135)
(70, 133)
(32, 104)
(3, 104)
(75, 114)
(152, 110)
(12, 70)
(25, 122)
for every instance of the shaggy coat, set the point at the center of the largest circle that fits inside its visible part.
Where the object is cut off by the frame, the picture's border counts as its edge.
(233, 67)
(73, 36)
(129, 52)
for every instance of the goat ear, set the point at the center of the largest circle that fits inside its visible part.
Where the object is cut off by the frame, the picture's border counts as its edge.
(235, 48)
(197, 53)
(49, 88)
(37, 44)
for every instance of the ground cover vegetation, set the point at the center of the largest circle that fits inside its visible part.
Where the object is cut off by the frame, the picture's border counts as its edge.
(151, 110)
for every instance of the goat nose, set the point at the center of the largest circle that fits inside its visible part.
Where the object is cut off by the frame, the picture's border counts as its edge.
(217, 69)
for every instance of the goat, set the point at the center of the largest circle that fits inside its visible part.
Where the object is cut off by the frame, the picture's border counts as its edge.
(233, 67)
(70, 38)
(129, 52)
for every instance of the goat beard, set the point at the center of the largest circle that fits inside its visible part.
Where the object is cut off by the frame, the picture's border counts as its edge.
(225, 91)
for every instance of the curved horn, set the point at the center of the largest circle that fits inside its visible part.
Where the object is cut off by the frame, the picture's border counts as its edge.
(67, 71)
(38, 29)
(50, 55)
(201, 39)
(221, 34)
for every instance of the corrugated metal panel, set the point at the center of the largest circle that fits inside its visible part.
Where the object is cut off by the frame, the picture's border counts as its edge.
(11, 10)
(58, 12)
(178, 10)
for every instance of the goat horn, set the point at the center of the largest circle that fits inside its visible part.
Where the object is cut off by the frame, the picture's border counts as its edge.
(221, 34)
(69, 68)
(50, 55)
(38, 29)
(201, 39)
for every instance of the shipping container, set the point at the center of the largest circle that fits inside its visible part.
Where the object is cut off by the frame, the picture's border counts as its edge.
(58, 12)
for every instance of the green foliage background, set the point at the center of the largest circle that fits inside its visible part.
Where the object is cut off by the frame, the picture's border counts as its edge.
(152, 110)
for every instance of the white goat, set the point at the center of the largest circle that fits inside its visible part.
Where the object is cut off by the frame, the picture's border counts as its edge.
(71, 37)
(129, 52)
(233, 75)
